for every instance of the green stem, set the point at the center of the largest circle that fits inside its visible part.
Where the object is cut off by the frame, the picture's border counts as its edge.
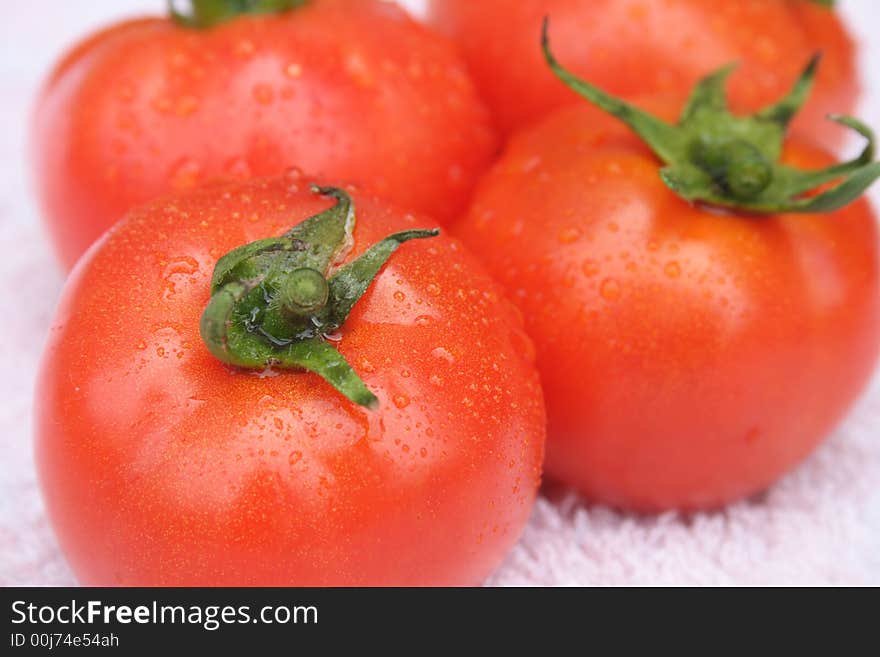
(273, 301)
(202, 14)
(714, 157)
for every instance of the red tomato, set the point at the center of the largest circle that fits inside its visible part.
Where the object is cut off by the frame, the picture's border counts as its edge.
(689, 356)
(349, 90)
(161, 465)
(634, 47)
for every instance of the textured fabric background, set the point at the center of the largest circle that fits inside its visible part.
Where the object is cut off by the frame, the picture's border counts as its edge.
(820, 525)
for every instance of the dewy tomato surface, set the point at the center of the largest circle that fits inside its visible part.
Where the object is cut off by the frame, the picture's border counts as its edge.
(348, 90)
(638, 47)
(161, 465)
(690, 355)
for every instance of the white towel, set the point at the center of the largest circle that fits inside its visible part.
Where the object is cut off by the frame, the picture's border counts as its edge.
(819, 525)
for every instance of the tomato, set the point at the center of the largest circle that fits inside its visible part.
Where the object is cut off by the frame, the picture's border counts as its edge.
(348, 90)
(161, 465)
(689, 355)
(640, 47)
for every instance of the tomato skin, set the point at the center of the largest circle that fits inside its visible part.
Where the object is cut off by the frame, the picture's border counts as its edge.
(689, 357)
(641, 47)
(348, 90)
(162, 466)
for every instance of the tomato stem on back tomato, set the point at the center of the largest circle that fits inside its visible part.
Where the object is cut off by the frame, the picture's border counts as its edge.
(274, 302)
(713, 156)
(207, 13)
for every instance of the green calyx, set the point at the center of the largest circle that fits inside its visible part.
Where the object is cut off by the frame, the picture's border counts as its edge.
(825, 3)
(712, 156)
(274, 302)
(202, 14)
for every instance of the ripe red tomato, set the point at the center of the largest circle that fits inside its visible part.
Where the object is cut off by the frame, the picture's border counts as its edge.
(689, 356)
(635, 47)
(161, 465)
(348, 90)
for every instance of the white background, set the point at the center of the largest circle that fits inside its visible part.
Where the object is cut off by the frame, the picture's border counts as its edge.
(820, 525)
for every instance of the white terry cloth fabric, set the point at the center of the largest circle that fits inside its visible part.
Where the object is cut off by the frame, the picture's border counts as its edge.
(819, 525)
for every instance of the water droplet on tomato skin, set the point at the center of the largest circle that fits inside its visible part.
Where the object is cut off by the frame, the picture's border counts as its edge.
(294, 174)
(245, 48)
(672, 269)
(293, 70)
(401, 401)
(443, 354)
(186, 106)
(237, 167)
(263, 94)
(294, 457)
(590, 268)
(184, 174)
(610, 289)
(569, 235)
(180, 265)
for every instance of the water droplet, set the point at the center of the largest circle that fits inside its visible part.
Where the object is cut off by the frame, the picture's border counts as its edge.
(610, 289)
(237, 167)
(433, 289)
(294, 457)
(590, 268)
(401, 401)
(531, 164)
(182, 265)
(356, 66)
(263, 94)
(142, 345)
(186, 106)
(399, 296)
(423, 453)
(245, 48)
(279, 423)
(444, 354)
(293, 70)
(672, 269)
(294, 174)
(569, 235)
(161, 104)
(184, 174)
(126, 93)
(424, 320)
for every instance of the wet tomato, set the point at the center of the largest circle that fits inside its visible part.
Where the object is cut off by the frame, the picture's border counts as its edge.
(163, 465)
(351, 90)
(690, 352)
(638, 47)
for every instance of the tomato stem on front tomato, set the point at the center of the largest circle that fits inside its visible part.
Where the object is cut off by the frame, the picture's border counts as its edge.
(207, 13)
(715, 157)
(273, 301)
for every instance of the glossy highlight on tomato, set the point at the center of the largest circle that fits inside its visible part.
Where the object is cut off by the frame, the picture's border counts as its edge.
(349, 90)
(689, 356)
(634, 48)
(163, 466)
